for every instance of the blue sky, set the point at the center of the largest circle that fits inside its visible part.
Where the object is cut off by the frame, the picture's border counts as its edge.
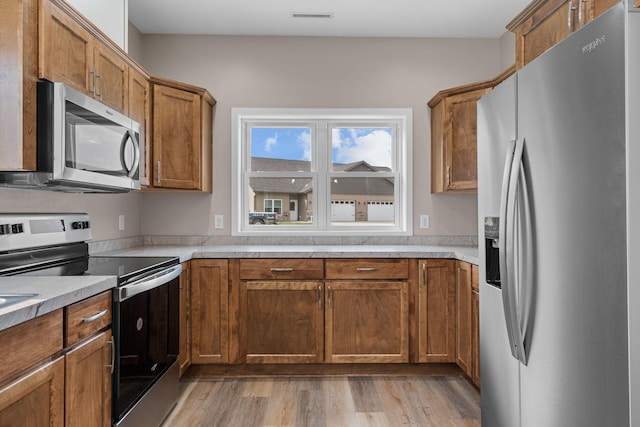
(349, 145)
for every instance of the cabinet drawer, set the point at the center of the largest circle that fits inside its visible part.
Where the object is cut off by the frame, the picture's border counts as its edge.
(367, 268)
(87, 317)
(281, 269)
(30, 342)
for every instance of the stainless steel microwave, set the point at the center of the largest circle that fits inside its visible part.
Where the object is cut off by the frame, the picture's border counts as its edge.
(83, 145)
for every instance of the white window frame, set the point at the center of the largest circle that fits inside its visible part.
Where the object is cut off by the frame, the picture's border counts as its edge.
(321, 122)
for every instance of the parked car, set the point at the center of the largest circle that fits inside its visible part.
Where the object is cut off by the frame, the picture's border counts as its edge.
(263, 218)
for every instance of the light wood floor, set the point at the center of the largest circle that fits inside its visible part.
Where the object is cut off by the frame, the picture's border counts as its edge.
(330, 401)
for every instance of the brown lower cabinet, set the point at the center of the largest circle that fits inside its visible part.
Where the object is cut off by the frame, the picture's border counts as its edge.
(437, 311)
(282, 321)
(36, 398)
(209, 311)
(44, 384)
(367, 322)
(88, 382)
(475, 326)
(261, 311)
(185, 318)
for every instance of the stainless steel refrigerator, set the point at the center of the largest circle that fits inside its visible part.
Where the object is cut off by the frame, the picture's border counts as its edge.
(556, 201)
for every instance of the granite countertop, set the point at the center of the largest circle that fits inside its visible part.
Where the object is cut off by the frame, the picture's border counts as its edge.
(186, 253)
(53, 293)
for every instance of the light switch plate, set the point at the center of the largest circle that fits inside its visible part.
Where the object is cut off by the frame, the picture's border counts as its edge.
(121, 222)
(424, 221)
(218, 221)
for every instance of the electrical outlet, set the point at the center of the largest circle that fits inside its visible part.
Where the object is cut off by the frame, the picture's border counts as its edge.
(424, 221)
(218, 221)
(121, 222)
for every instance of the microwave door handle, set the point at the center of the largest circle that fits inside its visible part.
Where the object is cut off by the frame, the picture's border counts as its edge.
(136, 153)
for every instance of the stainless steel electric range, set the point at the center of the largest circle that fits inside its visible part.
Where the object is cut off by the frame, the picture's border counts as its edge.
(145, 306)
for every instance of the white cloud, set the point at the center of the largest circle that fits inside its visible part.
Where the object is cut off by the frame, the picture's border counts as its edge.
(270, 142)
(305, 144)
(372, 146)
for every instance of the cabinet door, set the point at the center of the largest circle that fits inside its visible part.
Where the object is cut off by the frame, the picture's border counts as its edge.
(367, 321)
(35, 399)
(475, 337)
(209, 311)
(88, 382)
(463, 315)
(139, 110)
(66, 50)
(546, 27)
(436, 311)
(177, 138)
(598, 7)
(282, 322)
(19, 53)
(460, 140)
(111, 77)
(185, 318)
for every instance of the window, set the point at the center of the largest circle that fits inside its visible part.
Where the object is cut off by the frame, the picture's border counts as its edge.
(322, 172)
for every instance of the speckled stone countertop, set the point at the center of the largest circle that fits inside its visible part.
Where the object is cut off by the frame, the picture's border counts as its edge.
(53, 293)
(463, 253)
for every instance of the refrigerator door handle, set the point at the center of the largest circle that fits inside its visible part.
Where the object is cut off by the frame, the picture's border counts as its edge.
(509, 274)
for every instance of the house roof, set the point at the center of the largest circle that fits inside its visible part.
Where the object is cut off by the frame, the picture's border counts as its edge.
(369, 186)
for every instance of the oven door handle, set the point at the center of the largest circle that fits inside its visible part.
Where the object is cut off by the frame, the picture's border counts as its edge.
(148, 283)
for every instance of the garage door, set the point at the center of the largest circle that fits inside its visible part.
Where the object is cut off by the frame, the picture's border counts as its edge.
(380, 211)
(343, 210)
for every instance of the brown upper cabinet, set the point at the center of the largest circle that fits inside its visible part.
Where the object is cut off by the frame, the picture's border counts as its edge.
(19, 53)
(71, 54)
(50, 40)
(544, 23)
(181, 140)
(139, 109)
(454, 136)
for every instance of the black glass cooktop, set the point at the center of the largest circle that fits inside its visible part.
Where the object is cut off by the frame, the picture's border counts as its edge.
(127, 267)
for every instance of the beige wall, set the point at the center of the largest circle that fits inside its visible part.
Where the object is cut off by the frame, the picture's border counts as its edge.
(317, 73)
(102, 208)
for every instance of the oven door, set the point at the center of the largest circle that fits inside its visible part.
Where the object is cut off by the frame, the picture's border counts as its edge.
(145, 328)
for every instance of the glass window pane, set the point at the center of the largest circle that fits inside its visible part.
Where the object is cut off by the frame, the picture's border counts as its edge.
(362, 149)
(280, 149)
(362, 201)
(291, 199)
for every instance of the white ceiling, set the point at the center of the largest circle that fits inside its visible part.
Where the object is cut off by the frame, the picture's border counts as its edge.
(365, 18)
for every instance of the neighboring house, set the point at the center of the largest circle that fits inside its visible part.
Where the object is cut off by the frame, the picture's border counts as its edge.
(352, 199)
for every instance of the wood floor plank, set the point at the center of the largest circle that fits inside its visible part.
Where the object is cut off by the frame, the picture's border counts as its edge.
(364, 394)
(327, 401)
(282, 408)
(340, 410)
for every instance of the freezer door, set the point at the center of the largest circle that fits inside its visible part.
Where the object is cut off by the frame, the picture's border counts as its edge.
(571, 117)
(499, 370)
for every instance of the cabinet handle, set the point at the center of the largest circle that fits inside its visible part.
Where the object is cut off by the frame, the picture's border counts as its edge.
(569, 20)
(113, 355)
(475, 291)
(100, 80)
(580, 14)
(363, 269)
(329, 296)
(159, 171)
(448, 178)
(281, 269)
(93, 84)
(424, 273)
(320, 297)
(95, 316)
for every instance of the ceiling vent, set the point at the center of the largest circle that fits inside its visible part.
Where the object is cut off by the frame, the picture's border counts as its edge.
(301, 15)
